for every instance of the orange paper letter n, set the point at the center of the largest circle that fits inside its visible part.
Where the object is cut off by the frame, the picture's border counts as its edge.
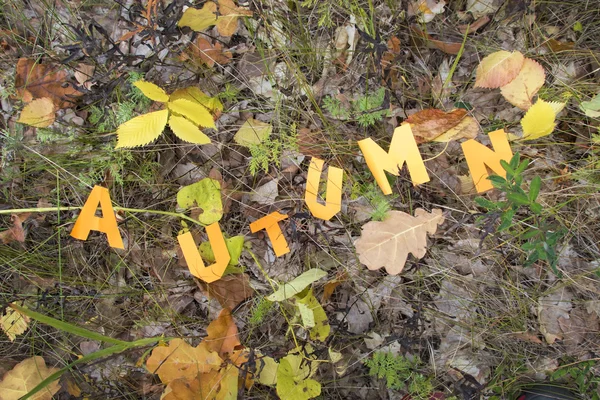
(87, 220)
(271, 224)
(479, 157)
(194, 261)
(333, 197)
(402, 149)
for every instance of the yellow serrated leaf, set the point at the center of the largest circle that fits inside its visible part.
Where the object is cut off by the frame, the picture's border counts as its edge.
(538, 121)
(521, 90)
(192, 93)
(498, 69)
(200, 19)
(142, 130)
(26, 375)
(38, 113)
(185, 130)
(13, 323)
(151, 91)
(252, 132)
(193, 111)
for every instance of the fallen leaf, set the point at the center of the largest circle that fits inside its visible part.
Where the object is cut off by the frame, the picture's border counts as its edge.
(205, 195)
(474, 27)
(234, 244)
(15, 232)
(426, 10)
(179, 360)
(498, 69)
(550, 308)
(538, 121)
(227, 23)
(230, 290)
(252, 132)
(83, 74)
(480, 8)
(142, 129)
(387, 243)
(447, 47)
(591, 108)
(320, 328)
(267, 193)
(558, 46)
(38, 113)
(34, 81)
(200, 19)
(521, 90)
(290, 387)
(310, 143)
(13, 323)
(209, 53)
(212, 385)
(467, 128)
(432, 124)
(222, 335)
(25, 376)
(297, 285)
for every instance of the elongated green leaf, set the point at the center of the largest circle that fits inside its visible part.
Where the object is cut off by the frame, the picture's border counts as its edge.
(185, 130)
(534, 188)
(297, 285)
(193, 111)
(142, 130)
(518, 198)
(152, 91)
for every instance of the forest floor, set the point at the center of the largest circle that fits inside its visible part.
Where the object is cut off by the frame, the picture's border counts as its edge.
(506, 294)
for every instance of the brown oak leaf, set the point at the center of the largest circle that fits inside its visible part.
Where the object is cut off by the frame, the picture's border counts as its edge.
(431, 124)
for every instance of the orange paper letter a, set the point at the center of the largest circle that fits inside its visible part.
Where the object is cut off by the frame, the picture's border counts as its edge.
(194, 261)
(478, 157)
(402, 149)
(333, 197)
(87, 220)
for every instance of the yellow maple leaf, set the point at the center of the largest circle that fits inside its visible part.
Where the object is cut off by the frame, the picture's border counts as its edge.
(227, 22)
(498, 69)
(521, 90)
(185, 130)
(38, 113)
(193, 111)
(199, 19)
(142, 130)
(151, 91)
(13, 323)
(25, 376)
(538, 121)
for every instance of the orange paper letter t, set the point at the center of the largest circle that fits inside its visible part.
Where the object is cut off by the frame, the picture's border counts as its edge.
(333, 197)
(87, 220)
(478, 157)
(193, 259)
(271, 224)
(402, 149)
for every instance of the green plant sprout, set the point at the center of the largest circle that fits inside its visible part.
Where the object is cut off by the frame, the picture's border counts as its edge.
(400, 373)
(366, 109)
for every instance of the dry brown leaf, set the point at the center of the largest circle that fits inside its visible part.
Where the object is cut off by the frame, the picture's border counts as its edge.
(15, 232)
(550, 308)
(474, 27)
(209, 53)
(83, 74)
(387, 243)
(430, 124)
(498, 69)
(310, 143)
(25, 376)
(179, 360)
(222, 335)
(558, 46)
(230, 290)
(447, 47)
(213, 385)
(227, 23)
(34, 81)
(521, 90)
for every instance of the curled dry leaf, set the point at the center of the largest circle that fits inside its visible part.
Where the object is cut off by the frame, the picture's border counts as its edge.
(209, 53)
(498, 69)
(447, 47)
(15, 232)
(387, 243)
(437, 125)
(521, 90)
(34, 81)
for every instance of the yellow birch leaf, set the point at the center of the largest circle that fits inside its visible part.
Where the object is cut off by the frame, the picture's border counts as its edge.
(387, 243)
(498, 69)
(192, 93)
(38, 113)
(538, 121)
(25, 376)
(200, 19)
(179, 360)
(252, 132)
(229, 13)
(521, 90)
(185, 130)
(193, 111)
(151, 91)
(142, 130)
(13, 323)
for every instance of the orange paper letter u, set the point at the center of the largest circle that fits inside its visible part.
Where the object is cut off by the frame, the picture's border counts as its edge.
(194, 261)
(333, 197)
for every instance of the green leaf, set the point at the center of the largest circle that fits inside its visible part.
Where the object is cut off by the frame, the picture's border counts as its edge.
(201, 19)
(235, 245)
(267, 373)
(152, 91)
(485, 203)
(518, 198)
(185, 130)
(507, 167)
(252, 132)
(291, 388)
(205, 194)
(320, 323)
(142, 130)
(536, 208)
(193, 111)
(534, 188)
(297, 285)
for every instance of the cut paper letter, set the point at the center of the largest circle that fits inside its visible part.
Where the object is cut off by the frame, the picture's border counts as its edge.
(88, 221)
(402, 149)
(333, 191)
(271, 224)
(479, 157)
(194, 261)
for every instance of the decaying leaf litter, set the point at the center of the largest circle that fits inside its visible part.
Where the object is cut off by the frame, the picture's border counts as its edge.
(239, 97)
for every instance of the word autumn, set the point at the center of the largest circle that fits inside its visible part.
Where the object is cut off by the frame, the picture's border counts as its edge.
(403, 149)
